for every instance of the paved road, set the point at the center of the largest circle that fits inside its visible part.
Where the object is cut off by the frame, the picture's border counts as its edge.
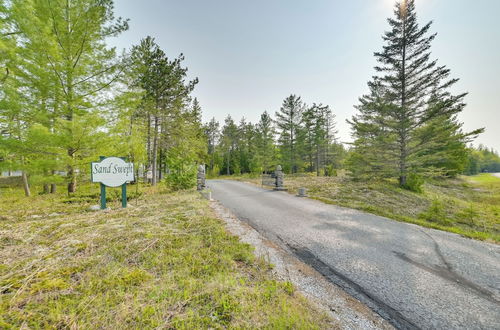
(412, 276)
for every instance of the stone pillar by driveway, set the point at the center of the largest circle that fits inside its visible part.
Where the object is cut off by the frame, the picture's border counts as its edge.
(280, 178)
(200, 178)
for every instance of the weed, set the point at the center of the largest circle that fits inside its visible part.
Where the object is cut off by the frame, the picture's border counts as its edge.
(435, 213)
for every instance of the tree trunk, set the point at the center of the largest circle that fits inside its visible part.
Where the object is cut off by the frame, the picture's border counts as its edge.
(160, 174)
(148, 167)
(46, 188)
(155, 152)
(71, 174)
(53, 188)
(317, 160)
(402, 180)
(26, 184)
(403, 134)
(72, 182)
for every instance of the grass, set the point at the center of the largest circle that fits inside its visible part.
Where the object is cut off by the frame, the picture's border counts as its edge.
(165, 262)
(469, 206)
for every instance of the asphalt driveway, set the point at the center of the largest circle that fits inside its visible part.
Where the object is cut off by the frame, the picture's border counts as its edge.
(414, 277)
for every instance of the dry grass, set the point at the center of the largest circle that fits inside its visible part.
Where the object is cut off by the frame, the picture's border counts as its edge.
(165, 262)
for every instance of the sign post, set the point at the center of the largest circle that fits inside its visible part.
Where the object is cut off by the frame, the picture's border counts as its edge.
(124, 195)
(112, 172)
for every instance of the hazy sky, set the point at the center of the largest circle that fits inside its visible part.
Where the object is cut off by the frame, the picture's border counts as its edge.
(250, 55)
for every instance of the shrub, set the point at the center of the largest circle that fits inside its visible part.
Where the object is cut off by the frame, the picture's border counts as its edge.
(468, 214)
(435, 213)
(178, 180)
(414, 182)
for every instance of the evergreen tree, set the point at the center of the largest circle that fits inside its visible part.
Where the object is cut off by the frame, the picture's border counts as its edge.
(397, 129)
(184, 145)
(165, 94)
(66, 69)
(265, 142)
(229, 147)
(246, 146)
(59, 72)
(212, 133)
(288, 122)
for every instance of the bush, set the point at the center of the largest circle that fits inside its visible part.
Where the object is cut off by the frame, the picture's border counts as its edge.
(469, 215)
(182, 179)
(435, 213)
(330, 171)
(414, 182)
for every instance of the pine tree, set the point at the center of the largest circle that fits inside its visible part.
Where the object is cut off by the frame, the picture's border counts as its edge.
(65, 69)
(398, 124)
(165, 92)
(319, 137)
(246, 146)
(229, 145)
(212, 133)
(265, 135)
(288, 122)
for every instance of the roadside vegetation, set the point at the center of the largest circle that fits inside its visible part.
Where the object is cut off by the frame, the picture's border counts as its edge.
(165, 262)
(467, 205)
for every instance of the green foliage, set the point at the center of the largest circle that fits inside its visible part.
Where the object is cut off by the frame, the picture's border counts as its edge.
(50, 111)
(182, 176)
(435, 213)
(265, 156)
(468, 214)
(414, 183)
(482, 160)
(301, 137)
(289, 122)
(165, 110)
(229, 145)
(408, 121)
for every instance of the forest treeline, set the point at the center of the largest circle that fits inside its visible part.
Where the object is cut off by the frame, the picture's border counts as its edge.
(482, 160)
(67, 97)
(299, 138)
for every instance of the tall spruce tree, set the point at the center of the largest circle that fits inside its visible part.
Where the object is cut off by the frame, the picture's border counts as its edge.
(316, 135)
(212, 133)
(400, 124)
(229, 145)
(265, 151)
(288, 122)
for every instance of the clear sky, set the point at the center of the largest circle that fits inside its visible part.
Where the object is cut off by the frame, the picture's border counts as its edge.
(250, 55)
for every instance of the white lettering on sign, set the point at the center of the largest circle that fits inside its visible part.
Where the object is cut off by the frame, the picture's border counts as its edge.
(112, 172)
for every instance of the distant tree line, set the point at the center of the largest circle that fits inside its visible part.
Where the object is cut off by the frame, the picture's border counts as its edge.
(301, 138)
(482, 160)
